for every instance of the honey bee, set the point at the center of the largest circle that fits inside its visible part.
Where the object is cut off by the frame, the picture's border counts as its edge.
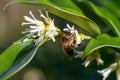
(68, 39)
(71, 40)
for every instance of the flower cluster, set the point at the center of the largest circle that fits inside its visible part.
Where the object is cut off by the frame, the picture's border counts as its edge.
(40, 28)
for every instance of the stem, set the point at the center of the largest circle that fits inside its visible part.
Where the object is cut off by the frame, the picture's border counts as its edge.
(118, 74)
(43, 41)
(118, 71)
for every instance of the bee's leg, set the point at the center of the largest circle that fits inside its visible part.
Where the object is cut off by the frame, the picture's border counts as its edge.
(78, 54)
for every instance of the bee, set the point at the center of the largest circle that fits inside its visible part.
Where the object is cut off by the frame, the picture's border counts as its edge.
(68, 38)
(71, 40)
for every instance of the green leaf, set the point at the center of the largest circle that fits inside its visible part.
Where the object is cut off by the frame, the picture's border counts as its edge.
(105, 16)
(9, 55)
(65, 9)
(22, 62)
(100, 41)
(111, 6)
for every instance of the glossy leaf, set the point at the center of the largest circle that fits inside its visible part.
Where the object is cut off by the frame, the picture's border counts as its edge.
(65, 9)
(21, 62)
(105, 16)
(100, 41)
(9, 55)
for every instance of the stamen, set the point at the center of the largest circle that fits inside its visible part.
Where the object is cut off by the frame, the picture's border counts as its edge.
(47, 14)
(68, 26)
(52, 38)
(30, 12)
(42, 15)
(33, 26)
(29, 19)
(25, 23)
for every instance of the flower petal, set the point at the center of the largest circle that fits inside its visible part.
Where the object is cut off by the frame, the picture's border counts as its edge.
(105, 72)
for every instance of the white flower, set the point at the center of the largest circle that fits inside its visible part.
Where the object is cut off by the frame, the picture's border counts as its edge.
(69, 29)
(105, 72)
(99, 61)
(88, 60)
(41, 28)
(78, 39)
(51, 30)
(91, 57)
(36, 26)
